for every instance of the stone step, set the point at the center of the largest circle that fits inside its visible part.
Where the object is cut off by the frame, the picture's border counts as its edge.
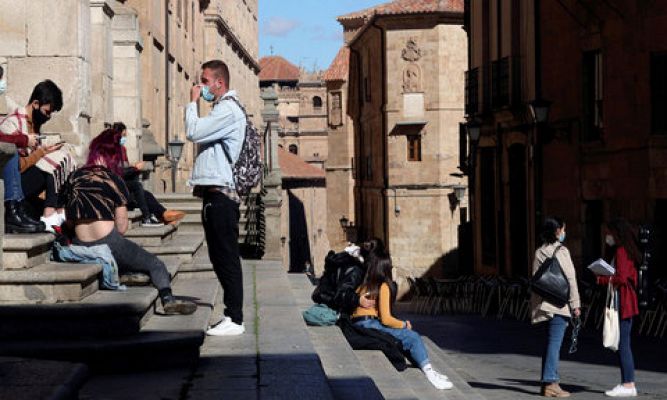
(25, 250)
(339, 359)
(163, 340)
(165, 198)
(151, 236)
(49, 283)
(104, 313)
(288, 363)
(183, 245)
(193, 208)
(32, 379)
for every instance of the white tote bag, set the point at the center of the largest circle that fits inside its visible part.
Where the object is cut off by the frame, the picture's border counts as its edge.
(611, 331)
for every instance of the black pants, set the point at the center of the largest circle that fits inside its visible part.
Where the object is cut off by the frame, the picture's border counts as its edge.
(34, 181)
(143, 199)
(220, 217)
(131, 257)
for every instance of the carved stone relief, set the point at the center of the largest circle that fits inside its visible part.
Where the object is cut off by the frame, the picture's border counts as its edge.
(336, 114)
(412, 79)
(411, 52)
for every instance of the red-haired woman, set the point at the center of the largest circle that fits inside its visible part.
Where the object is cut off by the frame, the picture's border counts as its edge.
(96, 205)
(152, 212)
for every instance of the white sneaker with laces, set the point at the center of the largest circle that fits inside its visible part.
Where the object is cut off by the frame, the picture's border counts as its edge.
(226, 328)
(437, 379)
(621, 391)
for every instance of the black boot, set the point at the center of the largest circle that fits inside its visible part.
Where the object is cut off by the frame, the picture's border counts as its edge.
(15, 223)
(25, 215)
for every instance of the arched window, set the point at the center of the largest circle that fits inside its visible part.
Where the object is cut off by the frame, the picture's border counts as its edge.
(317, 102)
(293, 149)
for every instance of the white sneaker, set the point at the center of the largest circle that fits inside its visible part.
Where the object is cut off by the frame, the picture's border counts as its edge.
(51, 221)
(61, 217)
(437, 379)
(226, 328)
(622, 391)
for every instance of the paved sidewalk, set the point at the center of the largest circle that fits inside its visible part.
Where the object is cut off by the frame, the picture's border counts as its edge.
(501, 358)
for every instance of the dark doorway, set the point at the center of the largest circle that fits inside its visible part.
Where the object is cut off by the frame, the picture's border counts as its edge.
(299, 245)
(659, 242)
(487, 191)
(518, 224)
(592, 241)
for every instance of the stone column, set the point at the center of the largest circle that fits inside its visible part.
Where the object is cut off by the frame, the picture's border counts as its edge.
(7, 150)
(101, 66)
(50, 39)
(273, 180)
(127, 48)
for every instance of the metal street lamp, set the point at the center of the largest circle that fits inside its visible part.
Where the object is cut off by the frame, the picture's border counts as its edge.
(539, 109)
(474, 128)
(459, 192)
(175, 146)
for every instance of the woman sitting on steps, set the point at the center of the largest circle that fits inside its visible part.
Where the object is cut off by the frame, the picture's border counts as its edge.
(96, 206)
(378, 285)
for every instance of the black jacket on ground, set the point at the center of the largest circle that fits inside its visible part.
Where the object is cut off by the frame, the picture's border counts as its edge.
(337, 287)
(372, 339)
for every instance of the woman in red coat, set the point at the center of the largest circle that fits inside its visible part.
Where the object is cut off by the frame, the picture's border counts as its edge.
(622, 243)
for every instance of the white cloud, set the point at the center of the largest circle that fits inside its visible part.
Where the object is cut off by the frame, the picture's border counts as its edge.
(279, 26)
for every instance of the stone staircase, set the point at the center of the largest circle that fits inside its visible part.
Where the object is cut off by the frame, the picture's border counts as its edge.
(367, 374)
(56, 311)
(251, 221)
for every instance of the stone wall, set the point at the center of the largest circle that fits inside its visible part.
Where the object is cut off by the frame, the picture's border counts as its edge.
(418, 83)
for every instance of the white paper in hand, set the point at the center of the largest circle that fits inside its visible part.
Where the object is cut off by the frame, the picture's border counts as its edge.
(601, 267)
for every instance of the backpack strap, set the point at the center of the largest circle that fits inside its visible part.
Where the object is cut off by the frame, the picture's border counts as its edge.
(247, 121)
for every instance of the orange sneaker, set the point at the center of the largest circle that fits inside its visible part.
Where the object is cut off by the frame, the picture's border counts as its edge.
(172, 216)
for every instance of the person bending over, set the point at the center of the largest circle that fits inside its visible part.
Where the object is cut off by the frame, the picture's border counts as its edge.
(96, 206)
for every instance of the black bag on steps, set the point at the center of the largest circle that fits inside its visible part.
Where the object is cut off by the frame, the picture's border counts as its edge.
(550, 282)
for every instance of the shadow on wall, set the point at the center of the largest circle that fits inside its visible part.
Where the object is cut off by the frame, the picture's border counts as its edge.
(299, 244)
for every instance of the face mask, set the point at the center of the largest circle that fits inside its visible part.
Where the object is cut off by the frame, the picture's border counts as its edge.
(3, 87)
(123, 140)
(609, 239)
(206, 94)
(561, 237)
(38, 118)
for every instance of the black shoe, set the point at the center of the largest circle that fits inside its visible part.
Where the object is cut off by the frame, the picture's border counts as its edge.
(173, 306)
(15, 222)
(151, 221)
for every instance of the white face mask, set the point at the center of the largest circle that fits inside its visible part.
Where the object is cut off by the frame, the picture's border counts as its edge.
(3, 87)
(609, 239)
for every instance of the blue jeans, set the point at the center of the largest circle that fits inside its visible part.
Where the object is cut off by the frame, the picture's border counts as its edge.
(12, 177)
(625, 352)
(551, 355)
(410, 339)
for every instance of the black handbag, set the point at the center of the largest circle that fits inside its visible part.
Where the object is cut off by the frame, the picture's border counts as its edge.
(550, 282)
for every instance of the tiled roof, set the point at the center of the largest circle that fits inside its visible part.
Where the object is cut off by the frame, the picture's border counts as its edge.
(276, 68)
(294, 167)
(339, 67)
(407, 7)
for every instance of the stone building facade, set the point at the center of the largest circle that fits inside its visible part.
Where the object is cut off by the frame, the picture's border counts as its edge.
(128, 60)
(406, 82)
(601, 153)
(339, 166)
(302, 105)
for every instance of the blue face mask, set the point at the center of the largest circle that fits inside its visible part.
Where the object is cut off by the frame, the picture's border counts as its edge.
(3, 87)
(561, 238)
(123, 140)
(206, 94)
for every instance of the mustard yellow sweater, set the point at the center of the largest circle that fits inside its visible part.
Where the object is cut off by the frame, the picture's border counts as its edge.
(382, 308)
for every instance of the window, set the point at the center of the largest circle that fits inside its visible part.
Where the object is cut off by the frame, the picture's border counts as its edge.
(659, 93)
(179, 10)
(293, 149)
(592, 96)
(317, 102)
(414, 148)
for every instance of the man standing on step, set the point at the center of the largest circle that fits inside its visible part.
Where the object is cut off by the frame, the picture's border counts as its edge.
(222, 130)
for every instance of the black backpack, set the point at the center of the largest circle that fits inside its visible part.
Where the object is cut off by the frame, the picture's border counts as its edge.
(550, 282)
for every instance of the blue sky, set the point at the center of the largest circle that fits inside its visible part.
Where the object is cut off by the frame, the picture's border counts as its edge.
(305, 31)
